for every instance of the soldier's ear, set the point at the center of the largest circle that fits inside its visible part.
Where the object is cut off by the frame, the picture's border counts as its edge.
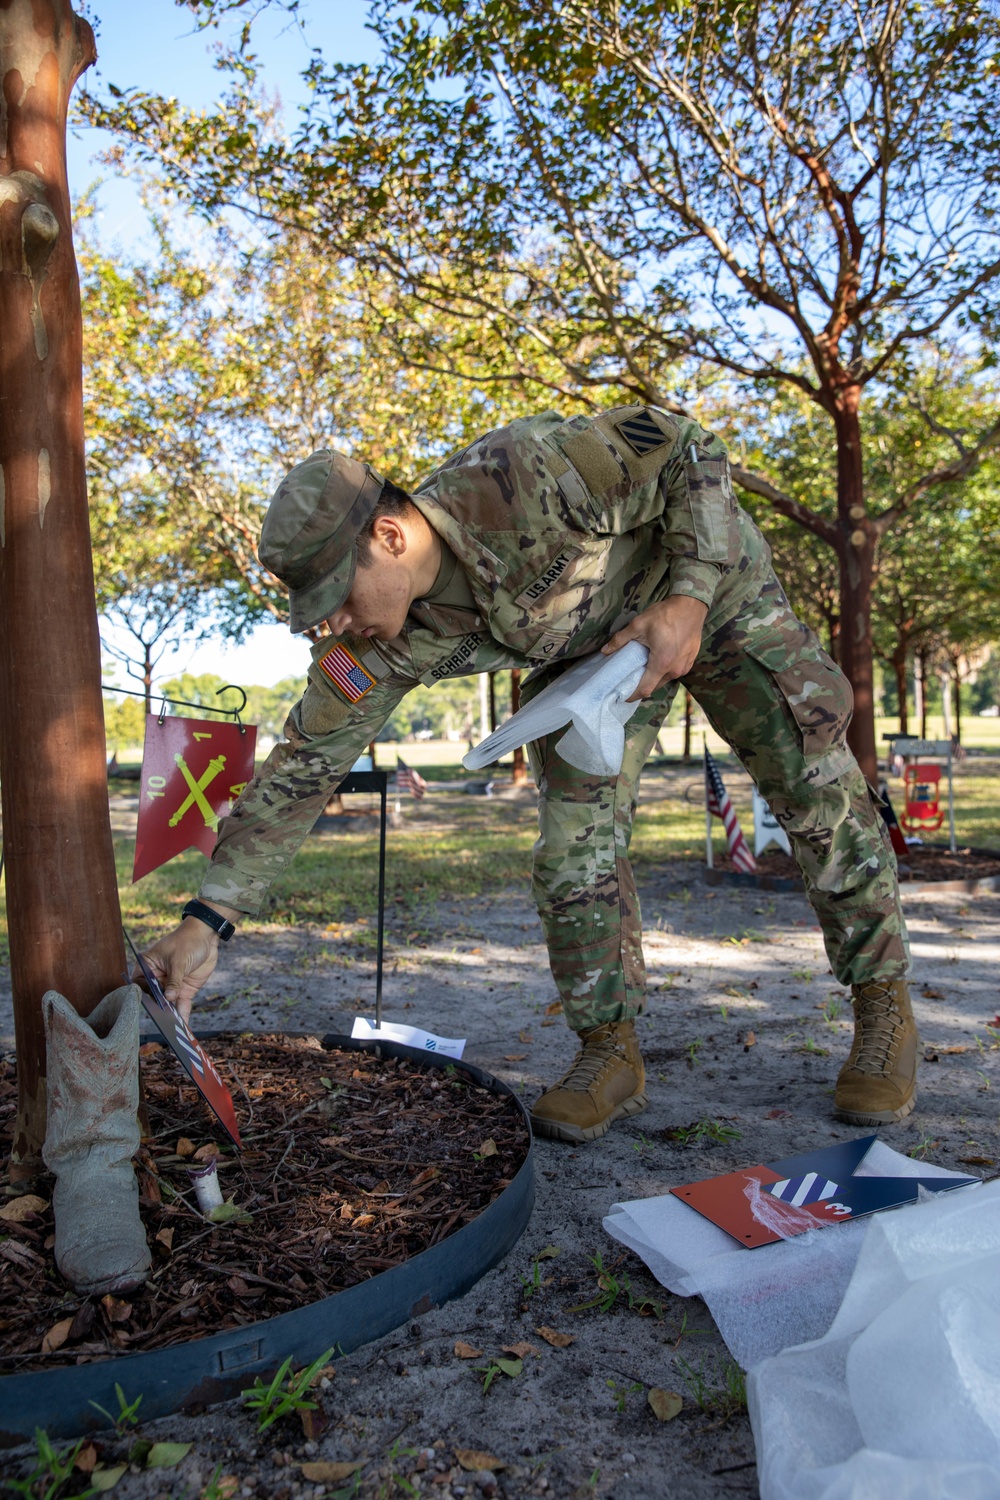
(389, 533)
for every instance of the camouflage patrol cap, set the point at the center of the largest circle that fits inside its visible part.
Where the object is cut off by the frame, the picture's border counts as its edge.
(312, 525)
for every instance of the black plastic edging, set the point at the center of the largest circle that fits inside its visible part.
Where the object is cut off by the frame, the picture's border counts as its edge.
(201, 1372)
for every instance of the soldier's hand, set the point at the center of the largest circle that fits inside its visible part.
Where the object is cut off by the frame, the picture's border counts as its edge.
(671, 632)
(182, 962)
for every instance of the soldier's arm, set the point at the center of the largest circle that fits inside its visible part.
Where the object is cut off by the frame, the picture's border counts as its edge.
(324, 735)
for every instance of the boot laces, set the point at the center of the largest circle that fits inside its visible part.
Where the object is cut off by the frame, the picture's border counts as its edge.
(879, 1024)
(589, 1064)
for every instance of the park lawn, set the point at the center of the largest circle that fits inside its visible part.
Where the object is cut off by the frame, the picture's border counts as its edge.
(453, 846)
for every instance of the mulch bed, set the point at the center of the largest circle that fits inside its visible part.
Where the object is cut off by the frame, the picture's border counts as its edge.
(922, 863)
(351, 1164)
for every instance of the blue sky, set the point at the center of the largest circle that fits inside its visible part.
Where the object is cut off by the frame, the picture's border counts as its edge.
(153, 45)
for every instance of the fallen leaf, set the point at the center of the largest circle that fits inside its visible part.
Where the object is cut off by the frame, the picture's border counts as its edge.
(424, 1176)
(103, 1480)
(555, 1338)
(553, 1022)
(165, 1237)
(323, 1471)
(473, 1459)
(167, 1455)
(665, 1404)
(555, 1009)
(463, 1350)
(549, 1253)
(116, 1310)
(930, 993)
(515, 1056)
(978, 1161)
(777, 1114)
(83, 1322)
(525, 1036)
(57, 1335)
(363, 1221)
(511, 1367)
(207, 1153)
(489, 1148)
(185, 1147)
(227, 1212)
(520, 1351)
(749, 1041)
(314, 1423)
(953, 1051)
(222, 1489)
(25, 1207)
(475, 950)
(86, 1459)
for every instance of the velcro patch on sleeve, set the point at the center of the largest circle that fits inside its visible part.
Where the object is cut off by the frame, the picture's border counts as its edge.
(346, 673)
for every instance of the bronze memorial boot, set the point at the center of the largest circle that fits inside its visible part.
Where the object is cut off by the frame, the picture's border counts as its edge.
(606, 1081)
(877, 1083)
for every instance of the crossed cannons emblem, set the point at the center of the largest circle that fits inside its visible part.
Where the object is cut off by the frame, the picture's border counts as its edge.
(196, 794)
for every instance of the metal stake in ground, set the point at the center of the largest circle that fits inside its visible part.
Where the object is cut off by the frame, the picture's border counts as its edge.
(62, 894)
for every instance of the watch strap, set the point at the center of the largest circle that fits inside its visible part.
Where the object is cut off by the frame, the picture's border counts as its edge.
(219, 924)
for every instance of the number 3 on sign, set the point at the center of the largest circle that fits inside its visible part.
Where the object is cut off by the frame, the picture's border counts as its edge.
(838, 1208)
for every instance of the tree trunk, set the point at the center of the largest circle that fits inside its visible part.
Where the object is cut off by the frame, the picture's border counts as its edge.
(520, 767)
(686, 756)
(922, 669)
(899, 667)
(62, 894)
(958, 703)
(147, 677)
(856, 552)
(493, 702)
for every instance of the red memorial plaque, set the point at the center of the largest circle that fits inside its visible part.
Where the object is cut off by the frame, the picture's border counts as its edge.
(192, 772)
(191, 1054)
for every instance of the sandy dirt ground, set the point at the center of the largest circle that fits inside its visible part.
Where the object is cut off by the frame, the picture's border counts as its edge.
(726, 969)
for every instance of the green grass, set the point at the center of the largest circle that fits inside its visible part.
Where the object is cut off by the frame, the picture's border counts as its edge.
(458, 847)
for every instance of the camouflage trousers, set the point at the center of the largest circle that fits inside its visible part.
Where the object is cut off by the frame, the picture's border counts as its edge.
(769, 689)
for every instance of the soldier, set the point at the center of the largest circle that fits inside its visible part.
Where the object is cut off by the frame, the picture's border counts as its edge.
(542, 542)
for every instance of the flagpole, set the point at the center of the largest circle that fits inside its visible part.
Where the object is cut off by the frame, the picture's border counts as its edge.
(708, 812)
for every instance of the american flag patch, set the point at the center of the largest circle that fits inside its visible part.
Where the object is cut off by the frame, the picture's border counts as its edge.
(346, 673)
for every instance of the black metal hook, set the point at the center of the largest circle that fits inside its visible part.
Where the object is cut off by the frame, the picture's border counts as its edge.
(230, 713)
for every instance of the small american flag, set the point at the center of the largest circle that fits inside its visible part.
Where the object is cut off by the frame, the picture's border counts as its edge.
(347, 673)
(717, 801)
(409, 780)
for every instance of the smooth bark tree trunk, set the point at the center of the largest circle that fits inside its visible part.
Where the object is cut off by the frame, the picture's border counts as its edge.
(686, 756)
(856, 553)
(520, 766)
(958, 705)
(62, 894)
(899, 667)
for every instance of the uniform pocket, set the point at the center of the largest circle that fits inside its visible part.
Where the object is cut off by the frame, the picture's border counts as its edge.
(713, 509)
(815, 690)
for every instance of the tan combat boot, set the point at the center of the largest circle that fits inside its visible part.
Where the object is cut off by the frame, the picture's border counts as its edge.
(877, 1083)
(606, 1081)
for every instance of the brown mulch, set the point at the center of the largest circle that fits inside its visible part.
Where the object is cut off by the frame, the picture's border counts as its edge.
(922, 863)
(350, 1165)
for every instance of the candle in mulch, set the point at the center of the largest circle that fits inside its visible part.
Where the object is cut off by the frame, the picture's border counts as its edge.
(205, 1181)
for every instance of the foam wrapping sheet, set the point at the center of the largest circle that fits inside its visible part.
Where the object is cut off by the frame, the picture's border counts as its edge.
(591, 697)
(896, 1394)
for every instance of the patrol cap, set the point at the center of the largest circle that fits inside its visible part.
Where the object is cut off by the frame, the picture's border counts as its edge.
(309, 535)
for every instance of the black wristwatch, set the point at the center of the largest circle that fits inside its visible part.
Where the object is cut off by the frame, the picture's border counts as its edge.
(214, 919)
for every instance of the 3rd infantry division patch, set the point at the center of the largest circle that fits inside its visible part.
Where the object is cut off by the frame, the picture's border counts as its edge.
(641, 433)
(346, 673)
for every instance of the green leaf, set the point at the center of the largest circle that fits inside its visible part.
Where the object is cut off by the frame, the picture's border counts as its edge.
(106, 1479)
(167, 1455)
(230, 1213)
(511, 1367)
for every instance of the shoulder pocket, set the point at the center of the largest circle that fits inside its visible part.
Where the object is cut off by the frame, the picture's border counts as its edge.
(713, 509)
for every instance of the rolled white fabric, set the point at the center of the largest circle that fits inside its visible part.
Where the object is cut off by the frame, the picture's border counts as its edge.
(591, 698)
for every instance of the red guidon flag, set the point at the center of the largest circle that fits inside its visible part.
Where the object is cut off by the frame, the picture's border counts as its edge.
(192, 772)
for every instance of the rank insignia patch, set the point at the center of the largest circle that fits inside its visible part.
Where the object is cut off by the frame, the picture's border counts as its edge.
(641, 433)
(346, 673)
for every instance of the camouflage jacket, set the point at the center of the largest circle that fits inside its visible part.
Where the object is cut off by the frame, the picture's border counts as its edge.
(565, 531)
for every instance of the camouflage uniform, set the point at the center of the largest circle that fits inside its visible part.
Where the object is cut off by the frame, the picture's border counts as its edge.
(564, 531)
